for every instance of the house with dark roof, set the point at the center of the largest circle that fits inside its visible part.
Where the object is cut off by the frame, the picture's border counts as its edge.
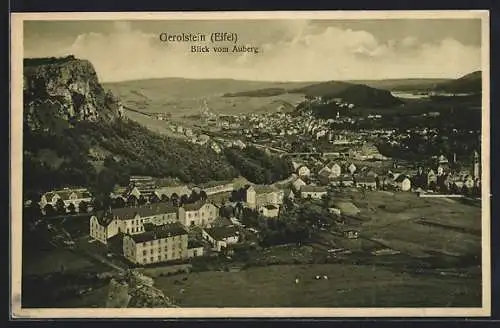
(221, 237)
(198, 214)
(163, 243)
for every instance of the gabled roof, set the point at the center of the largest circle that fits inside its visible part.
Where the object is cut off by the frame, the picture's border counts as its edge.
(220, 233)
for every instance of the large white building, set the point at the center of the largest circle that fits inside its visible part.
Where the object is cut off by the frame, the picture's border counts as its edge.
(130, 220)
(159, 244)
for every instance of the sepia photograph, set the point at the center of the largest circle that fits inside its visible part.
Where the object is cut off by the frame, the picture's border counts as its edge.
(248, 164)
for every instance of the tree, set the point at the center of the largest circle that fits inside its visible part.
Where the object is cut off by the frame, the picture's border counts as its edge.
(194, 197)
(132, 200)
(60, 207)
(154, 199)
(119, 202)
(175, 199)
(83, 207)
(142, 200)
(49, 210)
(72, 208)
(184, 199)
(203, 195)
(32, 212)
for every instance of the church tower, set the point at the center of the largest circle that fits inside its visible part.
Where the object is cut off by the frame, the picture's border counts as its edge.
(476, 171)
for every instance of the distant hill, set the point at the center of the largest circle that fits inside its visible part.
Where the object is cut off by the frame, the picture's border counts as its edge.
(358, 94)
(470, 83)
(402, 84)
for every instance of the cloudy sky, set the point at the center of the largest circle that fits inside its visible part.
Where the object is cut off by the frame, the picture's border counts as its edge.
(290, 50)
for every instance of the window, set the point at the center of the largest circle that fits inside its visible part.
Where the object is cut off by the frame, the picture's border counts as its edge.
(151, 251)
(159, 258)
(144, 253)
(152, 259)
(166, 249)
(192, 223)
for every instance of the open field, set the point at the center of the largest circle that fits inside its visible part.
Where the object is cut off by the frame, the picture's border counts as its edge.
(49, 261)
(401, 221)
(347, 286)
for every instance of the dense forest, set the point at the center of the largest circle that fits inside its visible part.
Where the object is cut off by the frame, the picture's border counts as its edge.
(257, 166)
(106, 153)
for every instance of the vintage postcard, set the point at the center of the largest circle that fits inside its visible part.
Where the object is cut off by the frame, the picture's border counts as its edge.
(250, 164)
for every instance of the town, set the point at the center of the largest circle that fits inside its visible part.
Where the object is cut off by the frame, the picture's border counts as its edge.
(224, 193)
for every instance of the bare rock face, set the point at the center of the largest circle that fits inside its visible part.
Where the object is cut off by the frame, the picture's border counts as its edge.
(64, 89)
(134, 290)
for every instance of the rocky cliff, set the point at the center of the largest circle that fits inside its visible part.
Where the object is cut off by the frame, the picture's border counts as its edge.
(134, 290)
(63, 90)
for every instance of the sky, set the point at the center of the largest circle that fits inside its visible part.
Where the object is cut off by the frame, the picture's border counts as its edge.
(289, 50)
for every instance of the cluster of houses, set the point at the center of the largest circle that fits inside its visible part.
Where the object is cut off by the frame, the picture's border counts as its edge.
(159, 232)
(313, 182)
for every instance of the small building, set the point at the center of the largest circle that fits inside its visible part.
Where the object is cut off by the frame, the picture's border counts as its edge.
(303, 171)
(270, 211)
(351, 234)
(352, 168)
(221, 237)
(165, 243)
(314, 192)
(403, 183)
(368, 182)
(195, 248)
(335, 169)
(334, 211)
(103, 227)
